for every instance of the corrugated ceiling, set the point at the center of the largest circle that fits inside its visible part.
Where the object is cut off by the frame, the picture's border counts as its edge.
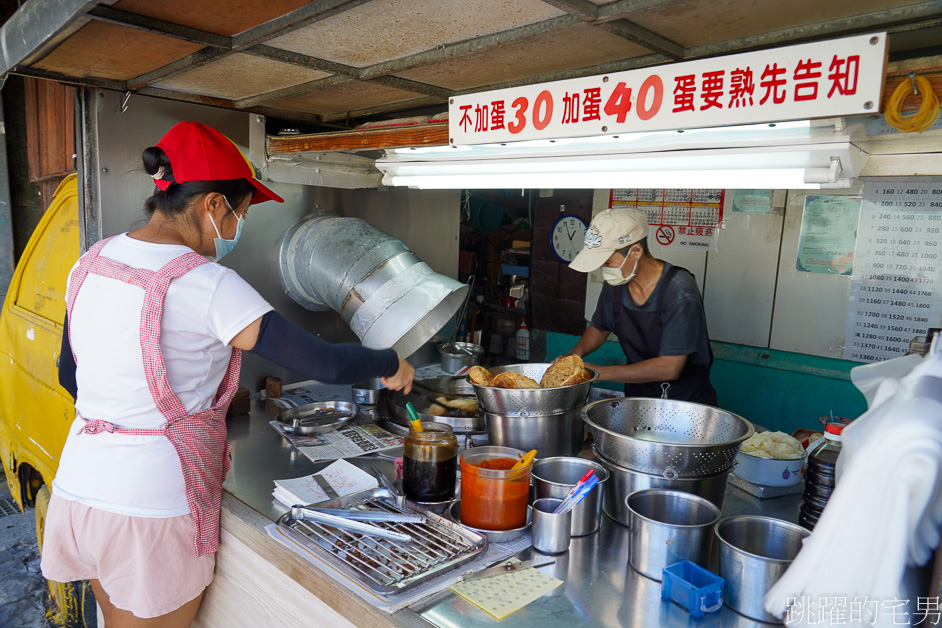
(340, 62)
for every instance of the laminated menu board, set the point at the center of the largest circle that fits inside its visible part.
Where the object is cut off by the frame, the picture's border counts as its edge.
(895, 287)
(677, 218)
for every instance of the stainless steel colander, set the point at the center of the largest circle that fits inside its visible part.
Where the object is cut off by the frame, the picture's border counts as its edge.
(532, 401)
(675, 439)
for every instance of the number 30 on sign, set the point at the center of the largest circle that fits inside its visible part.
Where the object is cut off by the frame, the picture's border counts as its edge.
(822, 79)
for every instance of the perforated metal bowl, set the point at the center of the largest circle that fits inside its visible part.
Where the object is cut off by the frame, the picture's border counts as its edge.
(532, 401)
(674, 439)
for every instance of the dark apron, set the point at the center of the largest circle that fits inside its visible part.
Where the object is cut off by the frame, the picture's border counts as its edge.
(639, 334)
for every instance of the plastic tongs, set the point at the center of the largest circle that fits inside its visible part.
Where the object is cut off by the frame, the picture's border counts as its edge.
(303, 513)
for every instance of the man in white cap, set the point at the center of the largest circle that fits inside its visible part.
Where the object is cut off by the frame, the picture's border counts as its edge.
(654, 308)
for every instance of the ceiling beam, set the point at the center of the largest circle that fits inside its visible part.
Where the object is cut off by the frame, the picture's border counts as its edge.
(302, 60)
(624, 8)
(589, 13)
(645, 38)
(304, 16)
(85, 81)
(189, 62)
(901, 17)
(604, 68)
(37, 28)
(478, 44)
(382, 109)
(413, 86)
(308, 14)
(582, 9)
(292, 91)
(159, 27)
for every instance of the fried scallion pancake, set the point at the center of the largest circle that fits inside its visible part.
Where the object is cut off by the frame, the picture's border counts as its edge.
(566, 372)
(480, 376)
(513, 380)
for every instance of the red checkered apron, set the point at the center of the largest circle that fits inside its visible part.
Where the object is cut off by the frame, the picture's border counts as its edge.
(199, 439)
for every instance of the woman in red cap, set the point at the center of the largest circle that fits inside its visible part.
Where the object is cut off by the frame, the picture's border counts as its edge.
(151, 353)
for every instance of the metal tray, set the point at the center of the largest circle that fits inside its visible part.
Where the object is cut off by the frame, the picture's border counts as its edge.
(321, 416)
(384, 566)
(492, 536)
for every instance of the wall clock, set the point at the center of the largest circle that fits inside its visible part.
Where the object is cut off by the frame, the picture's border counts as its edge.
(567, 237)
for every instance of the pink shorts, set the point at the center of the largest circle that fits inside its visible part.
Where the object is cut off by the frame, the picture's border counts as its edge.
(146, 566)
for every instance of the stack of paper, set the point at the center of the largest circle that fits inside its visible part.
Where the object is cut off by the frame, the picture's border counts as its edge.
(343, 477)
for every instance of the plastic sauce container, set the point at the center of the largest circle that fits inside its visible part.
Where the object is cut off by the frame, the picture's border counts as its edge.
(493, 499)
(430, 463)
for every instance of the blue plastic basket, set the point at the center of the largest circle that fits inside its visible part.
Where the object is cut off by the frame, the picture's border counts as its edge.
(692, 587)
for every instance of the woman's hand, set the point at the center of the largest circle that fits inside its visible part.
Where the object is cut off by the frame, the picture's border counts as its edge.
(402, 380)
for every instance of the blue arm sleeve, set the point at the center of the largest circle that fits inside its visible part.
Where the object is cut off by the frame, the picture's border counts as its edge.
(283, 343)
(67, 362)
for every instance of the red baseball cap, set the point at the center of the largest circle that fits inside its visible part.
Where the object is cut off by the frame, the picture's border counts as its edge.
(201, 153)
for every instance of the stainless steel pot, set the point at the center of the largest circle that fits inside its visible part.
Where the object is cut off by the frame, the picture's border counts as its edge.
(367, 393)
(676, 439)
(458, 355)
(668, 527)
(549, 434)
(624, 481)
(387, 295)
(754, 553)
(555, 477)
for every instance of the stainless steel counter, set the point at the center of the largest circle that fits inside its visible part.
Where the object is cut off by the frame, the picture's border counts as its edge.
(599, 589)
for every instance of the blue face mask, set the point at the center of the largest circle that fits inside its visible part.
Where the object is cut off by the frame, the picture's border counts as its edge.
(223, 246)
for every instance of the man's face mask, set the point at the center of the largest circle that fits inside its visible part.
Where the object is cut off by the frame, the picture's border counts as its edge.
(224, 246)
(614, 276)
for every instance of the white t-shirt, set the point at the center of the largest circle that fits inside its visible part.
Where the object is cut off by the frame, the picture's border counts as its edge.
(203, 310)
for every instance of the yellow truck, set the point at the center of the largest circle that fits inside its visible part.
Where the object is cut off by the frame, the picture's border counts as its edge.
(35, 412)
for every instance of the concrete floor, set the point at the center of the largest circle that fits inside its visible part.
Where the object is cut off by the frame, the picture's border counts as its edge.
(23, 593)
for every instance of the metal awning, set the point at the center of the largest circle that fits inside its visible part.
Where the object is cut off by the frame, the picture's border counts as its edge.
(336, 63)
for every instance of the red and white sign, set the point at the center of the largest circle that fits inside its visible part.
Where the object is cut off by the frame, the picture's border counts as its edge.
(677, 218)
(823, 79)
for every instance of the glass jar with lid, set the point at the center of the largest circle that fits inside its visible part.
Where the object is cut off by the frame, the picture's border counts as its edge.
(430, 463)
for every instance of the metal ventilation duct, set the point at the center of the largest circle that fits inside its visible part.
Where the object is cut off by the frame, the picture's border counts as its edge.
(387, 295)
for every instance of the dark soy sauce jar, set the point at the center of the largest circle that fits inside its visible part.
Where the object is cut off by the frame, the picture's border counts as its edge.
(430, 463)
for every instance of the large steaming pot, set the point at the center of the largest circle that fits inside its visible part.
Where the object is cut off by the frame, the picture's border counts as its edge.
(387, 295)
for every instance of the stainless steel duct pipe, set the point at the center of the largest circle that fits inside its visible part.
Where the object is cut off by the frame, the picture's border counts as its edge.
(387, 295)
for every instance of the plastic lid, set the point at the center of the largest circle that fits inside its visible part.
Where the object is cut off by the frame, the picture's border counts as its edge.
(834, 428)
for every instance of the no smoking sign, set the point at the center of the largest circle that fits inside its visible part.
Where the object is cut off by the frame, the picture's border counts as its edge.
(665, 235)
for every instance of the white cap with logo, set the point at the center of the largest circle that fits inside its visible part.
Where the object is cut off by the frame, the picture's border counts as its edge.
(609, 231)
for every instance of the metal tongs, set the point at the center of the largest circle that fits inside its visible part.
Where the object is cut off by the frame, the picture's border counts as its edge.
(389, 486)
(355, 523)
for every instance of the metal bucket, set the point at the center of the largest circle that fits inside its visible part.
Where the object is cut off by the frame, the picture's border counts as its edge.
(555, 477)
(387, 295)
(624, 481)
(668, 527)
(754, 553)
(549, 434)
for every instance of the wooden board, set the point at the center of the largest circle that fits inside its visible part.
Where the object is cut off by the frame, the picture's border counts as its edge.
(49, 131)
(417, 135)
(259, 582)
(223, 17)
(109, 51)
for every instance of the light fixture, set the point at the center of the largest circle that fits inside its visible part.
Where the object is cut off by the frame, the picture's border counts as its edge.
(791, 155)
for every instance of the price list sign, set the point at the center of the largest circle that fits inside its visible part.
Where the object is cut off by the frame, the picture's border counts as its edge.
(896, 280)
(678, 218)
